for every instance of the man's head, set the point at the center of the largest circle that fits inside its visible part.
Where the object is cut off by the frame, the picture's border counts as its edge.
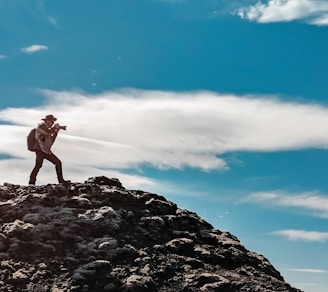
(49, 120)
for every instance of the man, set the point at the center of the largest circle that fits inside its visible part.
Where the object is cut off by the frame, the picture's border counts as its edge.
(46, 134)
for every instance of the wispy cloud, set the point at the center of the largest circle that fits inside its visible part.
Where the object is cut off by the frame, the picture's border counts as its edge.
(34, 48)
(129, 128)
(312, 11)
(3, 57)
(53, 21)
(310, 202)
(173, 1)
(303, 235)
(313, 271)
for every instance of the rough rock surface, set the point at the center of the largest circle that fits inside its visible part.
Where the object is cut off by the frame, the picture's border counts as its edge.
(99, 236)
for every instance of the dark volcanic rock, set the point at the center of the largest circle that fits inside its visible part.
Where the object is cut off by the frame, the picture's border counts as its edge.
(99, 236)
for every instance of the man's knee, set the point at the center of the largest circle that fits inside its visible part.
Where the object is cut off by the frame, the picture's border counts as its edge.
(38, 163)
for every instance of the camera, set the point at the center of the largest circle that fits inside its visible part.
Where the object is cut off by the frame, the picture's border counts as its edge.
(59, 127)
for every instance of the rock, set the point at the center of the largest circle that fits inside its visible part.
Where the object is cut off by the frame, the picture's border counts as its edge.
(102, 180)
(99, 236)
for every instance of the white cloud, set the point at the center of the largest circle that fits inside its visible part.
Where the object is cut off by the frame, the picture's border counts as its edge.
(313, 11)
(130, 128)
(17, 171)
(320, 21)
(303, 235)
(3, 57)
(34, 48)
(314, 271)
(311, 202)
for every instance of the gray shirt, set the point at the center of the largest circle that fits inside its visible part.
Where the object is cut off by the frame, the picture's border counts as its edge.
(45, 137)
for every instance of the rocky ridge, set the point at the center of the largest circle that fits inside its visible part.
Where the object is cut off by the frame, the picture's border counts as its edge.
(99, 236)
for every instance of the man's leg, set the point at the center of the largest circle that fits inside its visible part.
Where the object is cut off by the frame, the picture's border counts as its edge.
(56, 161)
(39, 156)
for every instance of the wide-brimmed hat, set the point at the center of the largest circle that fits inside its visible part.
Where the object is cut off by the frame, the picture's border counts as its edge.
(49, 118)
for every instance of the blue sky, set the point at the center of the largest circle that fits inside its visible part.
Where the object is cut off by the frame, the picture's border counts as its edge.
(218, 105)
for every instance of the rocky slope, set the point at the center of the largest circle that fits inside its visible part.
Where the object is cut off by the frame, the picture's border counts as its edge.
(99, 236)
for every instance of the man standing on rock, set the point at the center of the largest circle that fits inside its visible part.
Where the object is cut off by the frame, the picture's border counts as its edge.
(45, 135)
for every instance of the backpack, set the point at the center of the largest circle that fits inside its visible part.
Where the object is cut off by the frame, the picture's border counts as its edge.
(31, 140)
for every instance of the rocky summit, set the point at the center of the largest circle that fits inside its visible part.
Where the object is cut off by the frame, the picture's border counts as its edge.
(100, 236)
